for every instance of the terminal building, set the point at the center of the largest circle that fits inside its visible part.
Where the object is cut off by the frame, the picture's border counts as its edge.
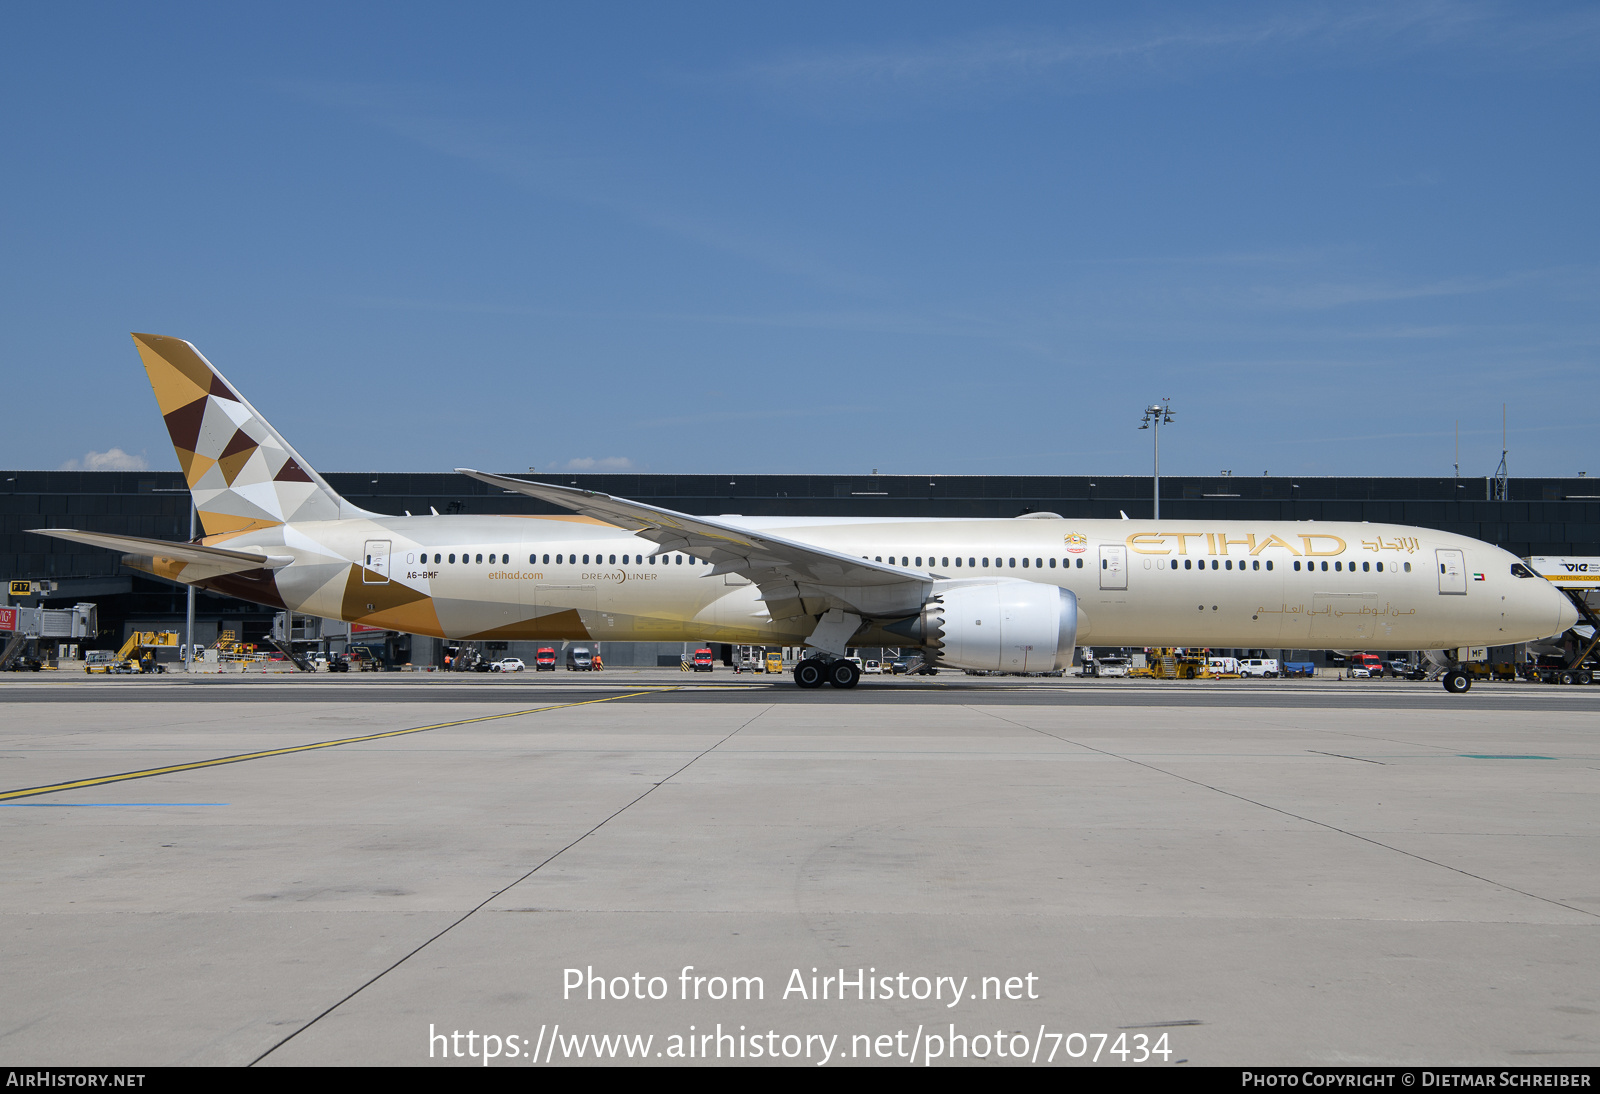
(1526, 516)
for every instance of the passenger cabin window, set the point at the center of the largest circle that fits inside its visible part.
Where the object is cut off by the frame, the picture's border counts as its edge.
(452, 558)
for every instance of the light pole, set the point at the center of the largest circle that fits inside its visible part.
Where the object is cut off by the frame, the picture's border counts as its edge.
(1154, 416)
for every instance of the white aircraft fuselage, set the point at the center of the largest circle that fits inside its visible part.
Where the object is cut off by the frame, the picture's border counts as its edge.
(1137, 583)
(1013, 595)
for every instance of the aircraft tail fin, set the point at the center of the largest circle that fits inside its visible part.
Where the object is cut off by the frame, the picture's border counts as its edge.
(242, 473)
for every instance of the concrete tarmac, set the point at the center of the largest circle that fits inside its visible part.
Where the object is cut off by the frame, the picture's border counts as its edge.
(1236, 872)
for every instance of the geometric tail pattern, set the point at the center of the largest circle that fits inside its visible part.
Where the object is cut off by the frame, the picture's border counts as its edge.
(242, 473)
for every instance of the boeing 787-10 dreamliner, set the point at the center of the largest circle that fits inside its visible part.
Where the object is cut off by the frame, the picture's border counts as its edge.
(1009, 595)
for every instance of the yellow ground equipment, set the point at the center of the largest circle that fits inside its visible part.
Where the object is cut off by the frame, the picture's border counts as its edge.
(229, 648)
(1167, 663)
(138, 653)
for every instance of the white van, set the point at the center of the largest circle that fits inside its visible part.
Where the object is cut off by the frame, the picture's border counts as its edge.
(1112, 666)
(1259, 666)
(1222, 664)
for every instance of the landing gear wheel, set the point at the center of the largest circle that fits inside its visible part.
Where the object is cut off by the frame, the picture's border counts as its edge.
(810, 673)
(843, 674)
(1456, 681)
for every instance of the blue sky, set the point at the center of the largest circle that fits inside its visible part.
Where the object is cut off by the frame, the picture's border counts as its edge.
(831, 238)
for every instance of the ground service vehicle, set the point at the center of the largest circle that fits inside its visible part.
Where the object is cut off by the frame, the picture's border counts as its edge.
(544, 660)
(1259, 666)
(775, 663)
(1369, 661)
(988, 594)
(580, 659)
(142, 643)
(703, 661)
(508, 664)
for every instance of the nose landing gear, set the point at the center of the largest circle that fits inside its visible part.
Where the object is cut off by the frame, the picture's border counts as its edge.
(1456, 681)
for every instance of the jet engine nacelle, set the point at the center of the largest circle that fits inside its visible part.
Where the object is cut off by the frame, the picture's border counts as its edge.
(1006, 626)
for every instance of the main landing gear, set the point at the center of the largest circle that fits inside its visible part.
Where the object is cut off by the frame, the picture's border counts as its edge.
(1456, 681)
(813, 672)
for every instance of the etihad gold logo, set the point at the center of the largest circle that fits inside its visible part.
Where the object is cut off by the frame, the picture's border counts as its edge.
(1217, 543)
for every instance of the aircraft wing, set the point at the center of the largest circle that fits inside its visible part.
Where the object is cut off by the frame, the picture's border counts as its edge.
(166, 548)
(795, 578)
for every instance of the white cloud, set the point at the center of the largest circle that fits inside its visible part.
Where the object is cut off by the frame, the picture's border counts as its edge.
(114, 459)
(1004, 60)
(605, 463)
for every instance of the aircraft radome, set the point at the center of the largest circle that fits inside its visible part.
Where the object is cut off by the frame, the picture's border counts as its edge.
(1013, 595)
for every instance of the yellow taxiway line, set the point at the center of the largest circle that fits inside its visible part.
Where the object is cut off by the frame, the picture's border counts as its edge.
(78, 784)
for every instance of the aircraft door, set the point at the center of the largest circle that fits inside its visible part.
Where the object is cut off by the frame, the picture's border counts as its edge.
(1113, 567)
(375, 571)
(1452, 572)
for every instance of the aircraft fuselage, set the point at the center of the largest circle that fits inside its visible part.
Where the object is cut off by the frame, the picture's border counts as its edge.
(1138, 583)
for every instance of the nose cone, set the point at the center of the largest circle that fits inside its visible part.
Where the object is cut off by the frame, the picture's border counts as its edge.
(1566, 614)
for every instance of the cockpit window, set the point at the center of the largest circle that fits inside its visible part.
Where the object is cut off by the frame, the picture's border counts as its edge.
(1519, 570)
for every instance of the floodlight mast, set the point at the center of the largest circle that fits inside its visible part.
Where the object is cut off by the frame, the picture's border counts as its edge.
(1154, 416)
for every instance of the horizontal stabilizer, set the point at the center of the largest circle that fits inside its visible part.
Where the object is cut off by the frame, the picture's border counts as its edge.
(166, 548)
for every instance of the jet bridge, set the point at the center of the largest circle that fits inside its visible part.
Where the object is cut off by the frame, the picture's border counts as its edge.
(20, 626)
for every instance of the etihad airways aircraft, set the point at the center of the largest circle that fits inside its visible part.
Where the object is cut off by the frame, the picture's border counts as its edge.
(1014, 595)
